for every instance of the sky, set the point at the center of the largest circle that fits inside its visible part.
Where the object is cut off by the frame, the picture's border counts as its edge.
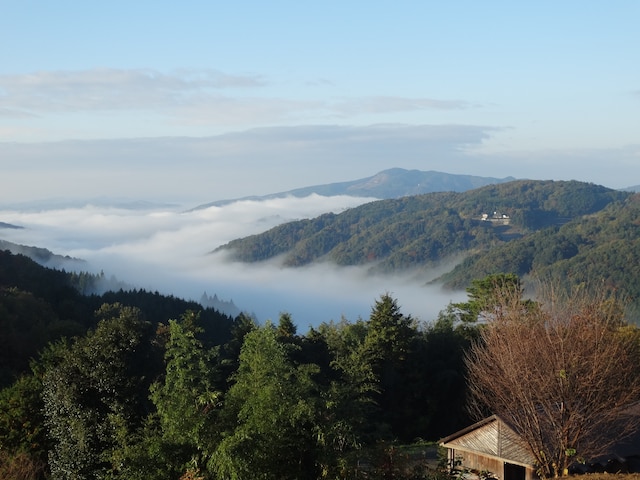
(200, 101)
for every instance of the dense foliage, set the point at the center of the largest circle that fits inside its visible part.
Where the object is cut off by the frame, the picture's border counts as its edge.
(598, 248)
(130, 393)
(421, 230)
(39, 305)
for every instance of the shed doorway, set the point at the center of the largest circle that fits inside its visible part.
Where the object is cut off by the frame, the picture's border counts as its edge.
(514, 472)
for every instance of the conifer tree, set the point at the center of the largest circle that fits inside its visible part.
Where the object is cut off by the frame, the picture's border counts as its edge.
(272, 409)
(92, 394)
(186, 401)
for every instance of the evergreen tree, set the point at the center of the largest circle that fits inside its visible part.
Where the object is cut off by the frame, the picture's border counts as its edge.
(485, 294)
(388, 347)
(273, 411)
(349, 408)
(93, 394)
(186, 400)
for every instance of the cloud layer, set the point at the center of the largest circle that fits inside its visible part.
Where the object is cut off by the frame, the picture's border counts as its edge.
(262, 161)
(168, 250)
(112, 89)
(178, 99)
(253, 162)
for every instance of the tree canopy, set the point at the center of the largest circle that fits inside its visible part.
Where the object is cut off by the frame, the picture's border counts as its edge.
(150, 387)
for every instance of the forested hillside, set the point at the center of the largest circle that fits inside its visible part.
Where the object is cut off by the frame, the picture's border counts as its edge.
(420, 231)
(39, 305)
(603, 247)
(571, 232)
(43, 256)
(131, 385)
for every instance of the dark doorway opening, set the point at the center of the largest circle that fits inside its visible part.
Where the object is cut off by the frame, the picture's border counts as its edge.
(514, 472)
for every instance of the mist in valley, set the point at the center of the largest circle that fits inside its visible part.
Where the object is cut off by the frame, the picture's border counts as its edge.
(169, 250)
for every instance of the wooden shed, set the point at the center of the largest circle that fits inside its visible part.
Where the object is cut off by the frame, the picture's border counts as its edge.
(491, 447)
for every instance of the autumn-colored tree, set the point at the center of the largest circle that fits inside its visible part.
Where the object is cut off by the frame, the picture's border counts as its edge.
(564, 375)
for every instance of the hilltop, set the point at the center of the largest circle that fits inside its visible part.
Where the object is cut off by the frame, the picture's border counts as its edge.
(391, 183)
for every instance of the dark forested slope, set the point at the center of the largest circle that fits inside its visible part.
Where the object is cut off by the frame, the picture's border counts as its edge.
(141, 385)
(39, 305)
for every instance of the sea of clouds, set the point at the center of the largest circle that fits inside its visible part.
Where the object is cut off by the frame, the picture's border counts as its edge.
(168, 249)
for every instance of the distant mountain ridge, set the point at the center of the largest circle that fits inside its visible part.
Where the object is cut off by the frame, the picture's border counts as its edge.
(9, 225)
(418, 230)
(101, 202)
(391, 183)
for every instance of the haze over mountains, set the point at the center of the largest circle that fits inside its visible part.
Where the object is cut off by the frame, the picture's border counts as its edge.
(347, 248)
(163, 247)
(391, 183)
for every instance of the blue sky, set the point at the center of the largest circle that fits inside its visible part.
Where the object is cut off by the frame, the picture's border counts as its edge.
(199, 101)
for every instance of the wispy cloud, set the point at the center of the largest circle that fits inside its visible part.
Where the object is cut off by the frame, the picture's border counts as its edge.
(207, 109)
(191, 97)
(112, 89)
(268, 160)
(238, 111)
(370, 137)
(15, 113)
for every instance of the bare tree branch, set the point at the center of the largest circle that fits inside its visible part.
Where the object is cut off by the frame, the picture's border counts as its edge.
(563, 374)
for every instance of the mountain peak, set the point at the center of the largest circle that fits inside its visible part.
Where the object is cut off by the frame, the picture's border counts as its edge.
(391, 183)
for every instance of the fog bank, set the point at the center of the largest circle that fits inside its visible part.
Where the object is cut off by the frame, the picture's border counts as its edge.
(168, 250)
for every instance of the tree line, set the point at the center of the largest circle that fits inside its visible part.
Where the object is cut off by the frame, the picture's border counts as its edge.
(139, 394)
(135, 400)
